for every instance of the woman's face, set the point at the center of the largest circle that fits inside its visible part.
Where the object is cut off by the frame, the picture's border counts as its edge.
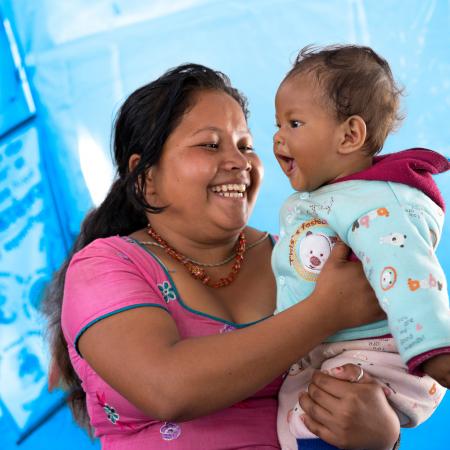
(204, 173)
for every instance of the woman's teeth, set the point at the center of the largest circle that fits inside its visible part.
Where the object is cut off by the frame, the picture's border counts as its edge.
(230, 190)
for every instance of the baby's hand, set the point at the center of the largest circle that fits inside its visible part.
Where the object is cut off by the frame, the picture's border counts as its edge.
(438, 368)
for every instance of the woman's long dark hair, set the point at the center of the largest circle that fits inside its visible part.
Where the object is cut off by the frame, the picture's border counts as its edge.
(142, 125)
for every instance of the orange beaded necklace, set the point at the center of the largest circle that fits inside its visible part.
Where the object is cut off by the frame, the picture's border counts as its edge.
(196, 271)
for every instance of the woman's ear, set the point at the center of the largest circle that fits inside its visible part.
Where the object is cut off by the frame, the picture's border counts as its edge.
(133, 161)
(147, 181)
(353, 135)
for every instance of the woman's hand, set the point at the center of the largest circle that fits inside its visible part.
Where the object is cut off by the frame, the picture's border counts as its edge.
(347, 414)
(344, 292)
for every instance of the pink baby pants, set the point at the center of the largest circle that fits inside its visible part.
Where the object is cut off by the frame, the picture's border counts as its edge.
(413, 398)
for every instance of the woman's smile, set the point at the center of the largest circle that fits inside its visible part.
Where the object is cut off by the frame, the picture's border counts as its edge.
(230, 190)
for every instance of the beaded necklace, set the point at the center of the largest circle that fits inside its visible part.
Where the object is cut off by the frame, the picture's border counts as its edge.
(217, 264)
(195, 270)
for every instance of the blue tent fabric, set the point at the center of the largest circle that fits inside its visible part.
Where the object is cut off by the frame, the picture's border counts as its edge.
(82, 58)
(31, 249)
(32, 245)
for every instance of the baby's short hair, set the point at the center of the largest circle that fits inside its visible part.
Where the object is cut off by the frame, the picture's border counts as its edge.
(355, 81)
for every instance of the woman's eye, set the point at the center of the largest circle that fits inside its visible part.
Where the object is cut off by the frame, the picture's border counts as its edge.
(295, 123)
(246, 148)
(211, 146)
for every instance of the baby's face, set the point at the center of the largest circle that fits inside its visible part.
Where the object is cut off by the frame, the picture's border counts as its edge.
(308, 137)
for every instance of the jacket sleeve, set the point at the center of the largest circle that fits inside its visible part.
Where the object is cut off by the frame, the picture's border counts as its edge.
(396, 244)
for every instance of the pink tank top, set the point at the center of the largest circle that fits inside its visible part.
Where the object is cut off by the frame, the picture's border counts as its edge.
(115, 274)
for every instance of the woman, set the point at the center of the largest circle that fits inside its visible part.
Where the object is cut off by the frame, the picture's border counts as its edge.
(168, 319)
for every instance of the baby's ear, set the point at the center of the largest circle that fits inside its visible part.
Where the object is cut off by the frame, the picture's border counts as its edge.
(353, 135)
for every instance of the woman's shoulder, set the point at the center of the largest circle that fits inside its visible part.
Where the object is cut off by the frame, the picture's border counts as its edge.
(116, 253)
(112, 246)
(105, 243)
(108, 276)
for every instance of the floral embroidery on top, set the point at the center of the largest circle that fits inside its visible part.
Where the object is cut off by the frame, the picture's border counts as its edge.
(128, 239)
(110, 411)
(227, 328)
(123, 256)
(113, 415)
(167, 291)
(170, 431)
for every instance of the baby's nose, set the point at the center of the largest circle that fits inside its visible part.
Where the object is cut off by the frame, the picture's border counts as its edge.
(277, 139)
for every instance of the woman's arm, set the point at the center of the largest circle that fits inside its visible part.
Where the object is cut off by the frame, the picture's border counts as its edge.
(140, 353)
(350, 415)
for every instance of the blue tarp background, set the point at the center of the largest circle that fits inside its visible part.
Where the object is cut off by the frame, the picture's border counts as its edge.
(83, 57)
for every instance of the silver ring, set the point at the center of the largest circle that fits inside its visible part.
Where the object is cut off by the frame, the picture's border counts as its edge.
(360, 375)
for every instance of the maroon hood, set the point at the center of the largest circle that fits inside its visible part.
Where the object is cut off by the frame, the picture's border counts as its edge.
(413, 167)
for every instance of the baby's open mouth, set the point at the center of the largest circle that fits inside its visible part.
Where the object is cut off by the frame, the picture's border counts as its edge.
(288, 164)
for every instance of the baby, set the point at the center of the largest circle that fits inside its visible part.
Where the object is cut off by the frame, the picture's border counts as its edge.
(334, 110)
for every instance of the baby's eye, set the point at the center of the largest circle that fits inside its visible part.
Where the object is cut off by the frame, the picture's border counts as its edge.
(277, 125)
(295, 123)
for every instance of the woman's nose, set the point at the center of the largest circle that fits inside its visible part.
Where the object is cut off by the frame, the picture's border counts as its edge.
(237, 160)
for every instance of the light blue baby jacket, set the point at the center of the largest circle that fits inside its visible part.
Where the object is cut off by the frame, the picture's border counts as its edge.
(394, 230)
